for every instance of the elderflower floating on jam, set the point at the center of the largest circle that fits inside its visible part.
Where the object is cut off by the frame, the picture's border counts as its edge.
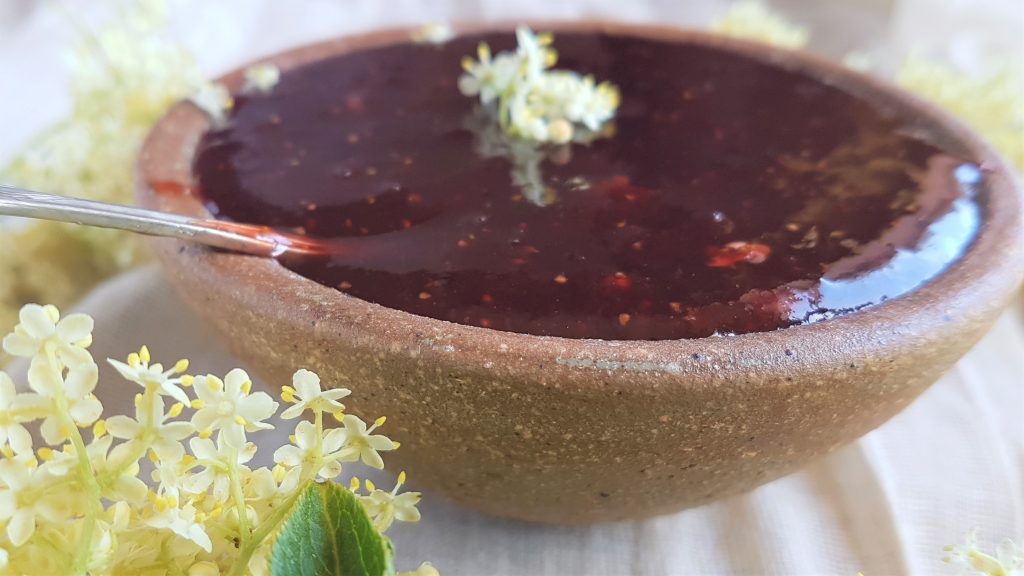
(533, 102)
(261, 78)
(78, 505)
(433, 33)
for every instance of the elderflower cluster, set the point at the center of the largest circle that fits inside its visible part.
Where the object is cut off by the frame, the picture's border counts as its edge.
(532, 101)
(122, 78)
(170, 489)
(970, 559)
(752, 20)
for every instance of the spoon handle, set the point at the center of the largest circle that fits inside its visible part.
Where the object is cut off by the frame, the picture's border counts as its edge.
(244, 238)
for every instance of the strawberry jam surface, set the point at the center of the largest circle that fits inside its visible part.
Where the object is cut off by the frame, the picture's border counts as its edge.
(730, 195)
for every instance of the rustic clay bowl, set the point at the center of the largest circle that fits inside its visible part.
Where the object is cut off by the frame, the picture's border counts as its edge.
(567, 431)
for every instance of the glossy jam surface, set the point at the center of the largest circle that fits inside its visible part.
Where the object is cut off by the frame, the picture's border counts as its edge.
(734, 196)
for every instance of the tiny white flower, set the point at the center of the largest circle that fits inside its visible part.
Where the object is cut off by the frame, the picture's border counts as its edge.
(433, 33)
(18, 409)
(180, 520)
(125, 485)
(228, 405)
(18, 506)
(261, 78)
(76, 387)
(150, 426)
(306, 392)
(153, 376)
(360, 443)
(215, 101)
(41, 330)
(386, 507)
(216, 459)
(305, 453)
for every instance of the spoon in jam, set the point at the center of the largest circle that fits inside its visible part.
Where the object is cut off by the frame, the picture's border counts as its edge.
(245, 238)
(385, 251)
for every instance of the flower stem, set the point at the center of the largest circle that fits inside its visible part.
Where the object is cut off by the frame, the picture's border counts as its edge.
(239, 497)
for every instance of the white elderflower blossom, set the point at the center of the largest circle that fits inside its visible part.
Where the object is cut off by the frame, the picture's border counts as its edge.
(17, 410)
(261, 78)
(74, 390)
(180, 520)
(151, 427)
(534, 102)
(41, 331)
(219, 460)
(361, 443)
(153, 376)
(20, 502)
(310, 449)
(230, 406)
(386, 507)
(305, 391)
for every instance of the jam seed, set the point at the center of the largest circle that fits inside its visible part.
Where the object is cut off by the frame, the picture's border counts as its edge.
(638, 245)
(623, 319)
(484, 322)
(676, 307)
(344, 285)
(424, 295)
(561, 279)
(462, 243)
(487, 299)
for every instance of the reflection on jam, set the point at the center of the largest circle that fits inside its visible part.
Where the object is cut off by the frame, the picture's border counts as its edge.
(734, 196)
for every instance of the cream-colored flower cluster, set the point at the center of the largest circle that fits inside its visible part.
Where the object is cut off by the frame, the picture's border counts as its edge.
(82, 503)
(532, 101)
(753, 20)
(970, 559)
(122, 78)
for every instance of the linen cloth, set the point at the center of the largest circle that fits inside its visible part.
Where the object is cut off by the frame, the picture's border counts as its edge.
(952, 461)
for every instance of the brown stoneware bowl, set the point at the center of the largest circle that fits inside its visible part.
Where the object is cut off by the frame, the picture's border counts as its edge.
(569, 431)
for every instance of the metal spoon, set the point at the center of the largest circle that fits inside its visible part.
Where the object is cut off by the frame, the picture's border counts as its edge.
(245, 238)
(390, 251)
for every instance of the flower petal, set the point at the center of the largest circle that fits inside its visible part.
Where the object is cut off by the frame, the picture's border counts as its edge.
(36, 321)
(75, 328)
(21, 526)
(86, 411)
(81, 380)
(21, 345)
(123, 427)
(371, 458)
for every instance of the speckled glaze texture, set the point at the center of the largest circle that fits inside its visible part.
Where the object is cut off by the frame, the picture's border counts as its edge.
(572, 431)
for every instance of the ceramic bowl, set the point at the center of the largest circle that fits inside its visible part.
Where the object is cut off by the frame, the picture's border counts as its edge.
(564, 430)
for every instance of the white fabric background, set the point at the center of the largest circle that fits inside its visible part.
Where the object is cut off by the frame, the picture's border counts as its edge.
(886, 505)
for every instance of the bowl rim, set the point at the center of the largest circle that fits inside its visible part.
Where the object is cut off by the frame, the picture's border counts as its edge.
(975, 285)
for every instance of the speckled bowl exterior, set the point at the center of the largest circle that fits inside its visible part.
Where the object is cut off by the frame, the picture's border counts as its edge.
(563, 430)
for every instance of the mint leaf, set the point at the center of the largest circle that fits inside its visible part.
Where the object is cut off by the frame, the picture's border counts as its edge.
(329, 534)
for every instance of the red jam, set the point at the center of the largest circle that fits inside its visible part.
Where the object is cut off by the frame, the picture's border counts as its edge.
(734, 196)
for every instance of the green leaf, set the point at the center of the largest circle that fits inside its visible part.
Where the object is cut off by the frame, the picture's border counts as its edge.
(329, 534)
